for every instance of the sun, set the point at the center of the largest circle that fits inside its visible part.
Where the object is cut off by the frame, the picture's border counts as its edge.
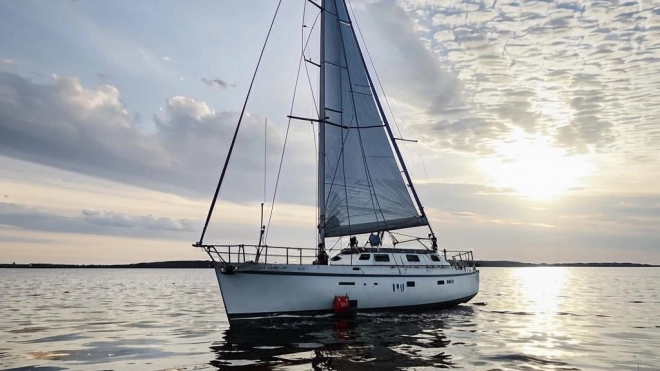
(534, 168)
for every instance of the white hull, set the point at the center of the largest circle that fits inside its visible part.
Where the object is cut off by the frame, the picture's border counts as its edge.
(274, 289)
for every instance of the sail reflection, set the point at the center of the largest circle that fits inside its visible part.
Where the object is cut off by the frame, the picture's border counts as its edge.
(383, 341)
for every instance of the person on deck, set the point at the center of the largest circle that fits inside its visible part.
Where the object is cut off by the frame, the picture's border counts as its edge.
(374, 240)
(322, 257)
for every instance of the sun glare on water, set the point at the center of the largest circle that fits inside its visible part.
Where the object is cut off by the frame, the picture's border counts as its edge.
(534, 168)
(541, 294)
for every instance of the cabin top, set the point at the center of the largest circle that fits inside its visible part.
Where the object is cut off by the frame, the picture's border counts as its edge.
(389, 256)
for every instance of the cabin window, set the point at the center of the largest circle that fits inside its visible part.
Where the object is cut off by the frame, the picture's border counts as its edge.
(441, 282)
(365, 256)
(381, 257)
(412, 258)
(410, 283)
(334, 259)
(435, 258)
(346, 283)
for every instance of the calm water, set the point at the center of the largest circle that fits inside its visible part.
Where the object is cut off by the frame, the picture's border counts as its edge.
(523, 319)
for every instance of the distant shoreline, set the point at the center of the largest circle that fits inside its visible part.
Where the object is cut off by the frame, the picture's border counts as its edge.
(208, 264)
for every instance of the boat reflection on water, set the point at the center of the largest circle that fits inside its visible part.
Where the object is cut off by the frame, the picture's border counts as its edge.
(367, 342)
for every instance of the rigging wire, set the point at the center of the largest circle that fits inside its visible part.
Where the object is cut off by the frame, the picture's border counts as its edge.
(339, 241)
(238, 125)
(304, 46)
(288, 126)
(412, 238)
(262, 227)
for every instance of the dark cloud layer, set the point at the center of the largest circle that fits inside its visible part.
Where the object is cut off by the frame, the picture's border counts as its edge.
(624, 212)
(90, 131)
(97, 222)
(463, 213)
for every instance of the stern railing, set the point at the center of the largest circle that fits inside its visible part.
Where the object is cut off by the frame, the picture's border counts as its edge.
(463, 260)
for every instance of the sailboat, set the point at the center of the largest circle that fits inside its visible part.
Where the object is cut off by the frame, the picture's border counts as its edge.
(364, 189)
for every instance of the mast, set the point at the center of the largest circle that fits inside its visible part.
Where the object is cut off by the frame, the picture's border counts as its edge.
(321, 161)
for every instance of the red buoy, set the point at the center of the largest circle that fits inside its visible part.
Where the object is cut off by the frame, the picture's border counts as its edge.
(341, 304)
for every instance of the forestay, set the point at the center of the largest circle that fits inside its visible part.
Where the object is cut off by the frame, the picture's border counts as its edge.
(364, 187)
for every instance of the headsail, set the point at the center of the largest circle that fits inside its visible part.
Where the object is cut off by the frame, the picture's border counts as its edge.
(364, 187)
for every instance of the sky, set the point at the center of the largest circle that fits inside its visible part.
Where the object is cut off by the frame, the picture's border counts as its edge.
(537, 125)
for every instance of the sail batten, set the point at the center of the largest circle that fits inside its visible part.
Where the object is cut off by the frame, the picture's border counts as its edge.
(364, 190)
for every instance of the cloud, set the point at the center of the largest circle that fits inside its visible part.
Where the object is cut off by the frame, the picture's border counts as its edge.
(29, 240)
(102, 77)
(412, 69)
(235, 223)
(8, 64)
(575, 213)
(97, 222)
(587, 227)
(217, 83)
(589, 130)
(113, 219)
(64, 125)
(464, 214)
(580, 75)
(414, 75)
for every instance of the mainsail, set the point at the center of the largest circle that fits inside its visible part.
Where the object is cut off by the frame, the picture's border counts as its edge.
(364, 190)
